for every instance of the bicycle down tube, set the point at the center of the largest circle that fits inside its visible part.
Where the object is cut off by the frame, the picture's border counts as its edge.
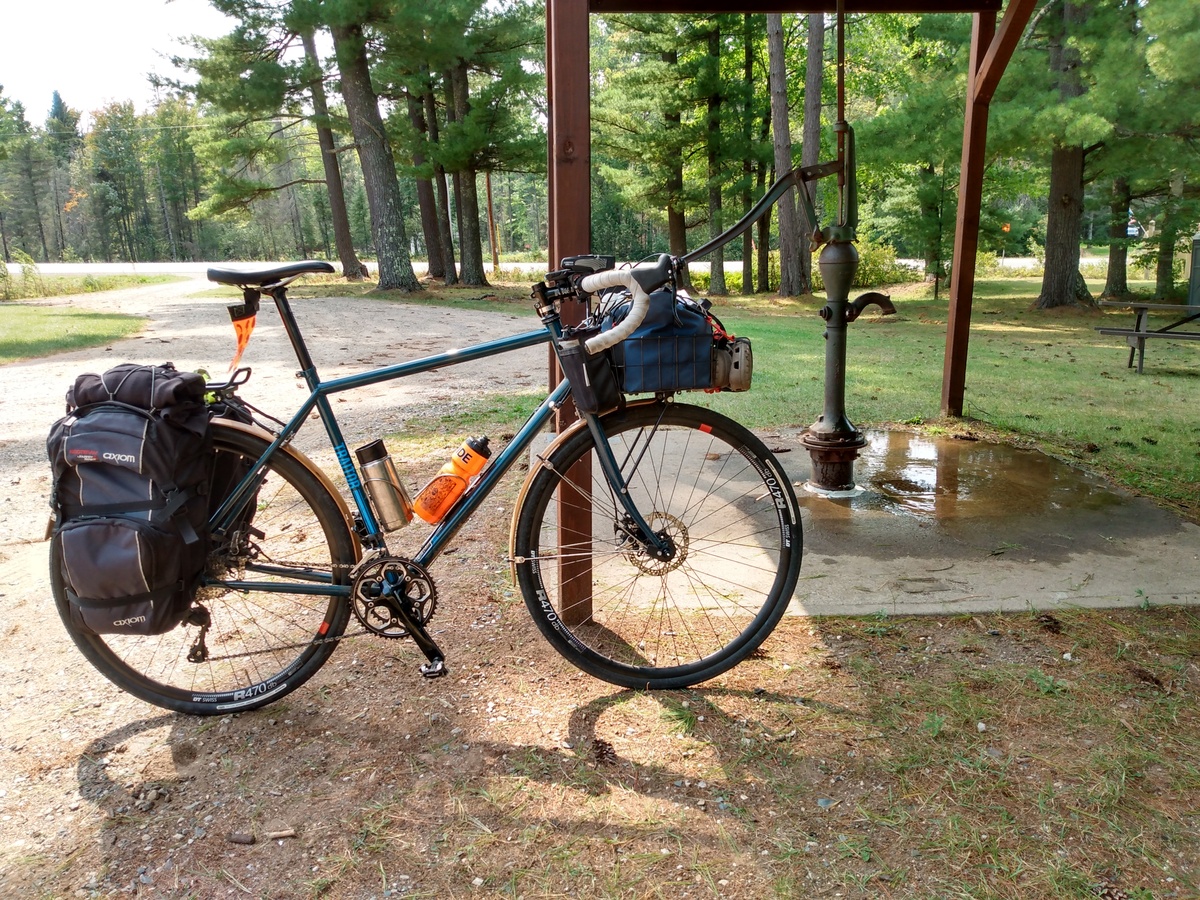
(444, 532)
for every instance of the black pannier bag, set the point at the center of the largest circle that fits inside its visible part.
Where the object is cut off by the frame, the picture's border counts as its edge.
(132, 465)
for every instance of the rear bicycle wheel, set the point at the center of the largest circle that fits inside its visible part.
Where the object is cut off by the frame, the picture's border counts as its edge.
(260, 644)
(615, 612)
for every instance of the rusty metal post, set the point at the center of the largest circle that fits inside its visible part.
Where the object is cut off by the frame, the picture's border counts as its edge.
(832, 441)
(567, 82)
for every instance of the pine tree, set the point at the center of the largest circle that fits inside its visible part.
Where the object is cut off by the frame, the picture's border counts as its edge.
(647, 117)
(26, 176)
(262, 94)
(789, 222)
(374, 153)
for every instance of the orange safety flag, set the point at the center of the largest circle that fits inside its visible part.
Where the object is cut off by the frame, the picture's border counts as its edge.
(244, 327)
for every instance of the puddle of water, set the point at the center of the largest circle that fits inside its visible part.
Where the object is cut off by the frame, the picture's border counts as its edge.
(943, 479)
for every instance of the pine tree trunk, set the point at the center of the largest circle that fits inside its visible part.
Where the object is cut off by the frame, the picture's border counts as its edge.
(763, 283)
(789, 231)
(493, 236)
(1062, 285)
(352, 267)
(810, 147)
(4, 239)
(764, 223)
(1061, 281)
(445, 233)
(425, 199)
(375, 156)
(1116, 284)
(471, 243)
(676, 221)
(929, 203)
(60, 232)
(1164, 270)
(716, 284)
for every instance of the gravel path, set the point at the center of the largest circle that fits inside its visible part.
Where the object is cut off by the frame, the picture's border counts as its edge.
(345, 335)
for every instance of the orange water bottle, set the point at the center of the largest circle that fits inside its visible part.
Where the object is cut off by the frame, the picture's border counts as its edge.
(439, 496)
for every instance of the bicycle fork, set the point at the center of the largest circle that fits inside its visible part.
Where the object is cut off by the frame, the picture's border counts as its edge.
(634, 525)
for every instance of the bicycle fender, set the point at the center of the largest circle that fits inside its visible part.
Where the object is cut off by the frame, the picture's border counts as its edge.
(264, 435)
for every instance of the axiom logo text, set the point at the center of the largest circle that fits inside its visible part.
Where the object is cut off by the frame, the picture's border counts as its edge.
(132, 620)
(120, 457)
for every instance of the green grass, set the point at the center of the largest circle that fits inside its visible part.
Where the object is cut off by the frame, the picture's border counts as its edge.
(33, 331)
(34, 284)
(1045, 377)
(1042, 376)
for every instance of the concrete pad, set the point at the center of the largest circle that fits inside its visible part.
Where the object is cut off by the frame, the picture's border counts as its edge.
(947, 526)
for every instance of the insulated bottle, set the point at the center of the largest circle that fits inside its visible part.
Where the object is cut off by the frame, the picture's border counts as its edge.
(383, 484)
(439, 496)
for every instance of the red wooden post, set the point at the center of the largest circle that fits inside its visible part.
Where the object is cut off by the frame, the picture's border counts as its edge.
(966, 231)
(990, 52)
(567, 80)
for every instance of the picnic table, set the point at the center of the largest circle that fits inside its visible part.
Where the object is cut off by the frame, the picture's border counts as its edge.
(1137, 336)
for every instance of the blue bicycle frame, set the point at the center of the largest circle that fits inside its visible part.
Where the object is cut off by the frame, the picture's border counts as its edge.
(371, 533)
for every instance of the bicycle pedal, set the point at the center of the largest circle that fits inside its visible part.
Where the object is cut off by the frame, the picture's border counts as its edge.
(435, 668)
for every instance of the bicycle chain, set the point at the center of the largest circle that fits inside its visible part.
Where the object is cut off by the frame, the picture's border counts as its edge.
(313, 643)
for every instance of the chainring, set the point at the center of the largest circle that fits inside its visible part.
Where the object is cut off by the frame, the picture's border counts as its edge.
(380, 584)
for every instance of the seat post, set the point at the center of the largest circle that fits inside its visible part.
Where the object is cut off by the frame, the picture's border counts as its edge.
(292, 327)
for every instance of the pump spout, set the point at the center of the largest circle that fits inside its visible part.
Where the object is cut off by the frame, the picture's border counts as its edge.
(883, 301)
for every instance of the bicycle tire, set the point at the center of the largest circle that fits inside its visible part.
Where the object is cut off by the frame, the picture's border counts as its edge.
(261, 645)
(721, 495)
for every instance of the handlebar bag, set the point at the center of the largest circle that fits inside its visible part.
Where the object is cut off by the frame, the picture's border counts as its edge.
(130, 496)
(672, 350)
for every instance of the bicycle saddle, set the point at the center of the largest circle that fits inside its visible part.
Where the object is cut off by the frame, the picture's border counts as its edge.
(262, 277)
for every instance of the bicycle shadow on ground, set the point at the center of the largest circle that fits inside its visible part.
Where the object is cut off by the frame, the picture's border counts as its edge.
(180, 800)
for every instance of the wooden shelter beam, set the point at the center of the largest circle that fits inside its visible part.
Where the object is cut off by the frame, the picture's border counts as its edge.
(1008, 35)
(966, 229)
(991, 50)
(794, 6)
(570, 217)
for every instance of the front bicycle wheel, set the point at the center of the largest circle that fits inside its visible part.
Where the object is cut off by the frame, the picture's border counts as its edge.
(260, 644)
(637, 621)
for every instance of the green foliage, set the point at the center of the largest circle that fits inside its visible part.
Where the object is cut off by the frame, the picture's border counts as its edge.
(877, 267)
(226, 165)
(30, 284)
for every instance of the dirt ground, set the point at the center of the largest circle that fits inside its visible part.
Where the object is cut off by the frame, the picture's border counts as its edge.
(877, 758)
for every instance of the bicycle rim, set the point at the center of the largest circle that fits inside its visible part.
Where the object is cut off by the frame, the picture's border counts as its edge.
(613, 611)
(260, 644)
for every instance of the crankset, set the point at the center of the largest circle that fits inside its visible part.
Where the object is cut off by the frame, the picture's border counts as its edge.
(380, 588)
(394, 597)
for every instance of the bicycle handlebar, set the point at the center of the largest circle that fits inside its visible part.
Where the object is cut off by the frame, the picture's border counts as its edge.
(639, 282)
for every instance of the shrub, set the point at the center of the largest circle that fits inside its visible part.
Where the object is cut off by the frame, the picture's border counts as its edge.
(877, 266)
(31, 279)
(702, 281)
